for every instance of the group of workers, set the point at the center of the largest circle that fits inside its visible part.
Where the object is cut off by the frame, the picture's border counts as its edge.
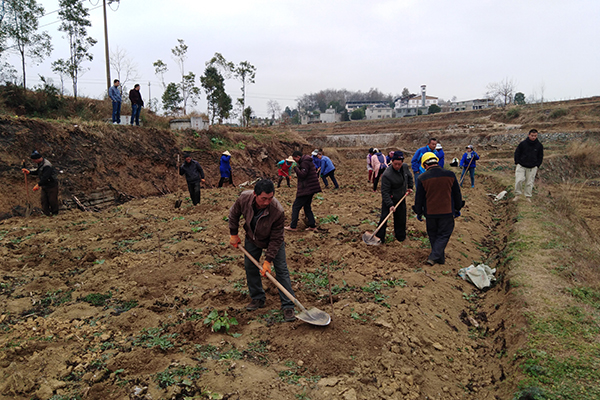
(438, 198)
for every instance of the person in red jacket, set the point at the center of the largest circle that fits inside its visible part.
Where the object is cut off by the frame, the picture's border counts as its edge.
(308, 185)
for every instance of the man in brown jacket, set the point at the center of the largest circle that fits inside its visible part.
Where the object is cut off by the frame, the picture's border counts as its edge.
(263, 222)
(308, 185)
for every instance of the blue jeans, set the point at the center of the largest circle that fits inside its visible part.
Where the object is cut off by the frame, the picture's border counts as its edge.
(116, 115)
(471, 172)
(135, 113)
(280, 268)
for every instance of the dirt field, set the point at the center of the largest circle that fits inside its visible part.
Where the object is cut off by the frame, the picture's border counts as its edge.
(112, 304)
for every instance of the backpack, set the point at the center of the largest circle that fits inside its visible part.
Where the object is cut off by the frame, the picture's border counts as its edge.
(382, 163)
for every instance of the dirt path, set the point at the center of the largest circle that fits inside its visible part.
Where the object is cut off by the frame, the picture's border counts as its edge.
(112, 304)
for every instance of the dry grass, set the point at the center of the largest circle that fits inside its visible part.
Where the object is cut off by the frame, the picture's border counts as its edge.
(585, 153)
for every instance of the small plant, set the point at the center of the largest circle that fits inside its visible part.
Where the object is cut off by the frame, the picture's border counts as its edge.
(97, 299)
(513, 113)
(559, 112)
(152, 337)
(181, 375)
(330, 219)
(217, 321)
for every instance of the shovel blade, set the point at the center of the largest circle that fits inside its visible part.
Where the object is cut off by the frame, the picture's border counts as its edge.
(371, 239)
(314, 316)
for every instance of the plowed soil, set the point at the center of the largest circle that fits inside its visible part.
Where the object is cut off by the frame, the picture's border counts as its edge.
(113, 304)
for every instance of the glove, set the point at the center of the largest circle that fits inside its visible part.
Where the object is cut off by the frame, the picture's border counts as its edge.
(25, 171)
(265, 268)
(234, 240)
(36, 188)
(420, 217)
(456, 213)
(202, 180)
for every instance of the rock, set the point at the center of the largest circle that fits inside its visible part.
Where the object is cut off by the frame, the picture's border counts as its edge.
(438, 346)
(329, 382)
(383, 323)
(44, 392)
(350, 395)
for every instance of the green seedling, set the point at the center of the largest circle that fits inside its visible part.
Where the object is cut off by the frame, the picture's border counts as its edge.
(217, 321)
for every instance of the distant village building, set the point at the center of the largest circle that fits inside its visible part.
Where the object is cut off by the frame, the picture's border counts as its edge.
(413, 104)
(379, 112)
(196, 123)
(310, 118)
(330, 116)
(353, 105)
(467, 105)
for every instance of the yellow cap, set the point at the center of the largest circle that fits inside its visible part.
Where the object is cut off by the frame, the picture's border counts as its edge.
(428, 156)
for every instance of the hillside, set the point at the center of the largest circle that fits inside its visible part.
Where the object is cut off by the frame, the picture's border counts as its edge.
(113, 303)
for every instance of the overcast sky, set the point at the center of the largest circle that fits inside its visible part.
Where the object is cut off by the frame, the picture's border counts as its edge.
(456, 47)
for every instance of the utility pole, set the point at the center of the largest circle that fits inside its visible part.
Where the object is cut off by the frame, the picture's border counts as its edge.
(106, 47)
(149, 95)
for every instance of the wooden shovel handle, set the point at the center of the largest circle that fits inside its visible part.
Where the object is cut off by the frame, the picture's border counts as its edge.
(389, 215)
(465, 174)
(279, 286)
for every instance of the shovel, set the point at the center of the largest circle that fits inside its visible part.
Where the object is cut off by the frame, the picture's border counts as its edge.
(369, 238)
(178, 201)
(313, 316)
(28, 205)
(465, 173)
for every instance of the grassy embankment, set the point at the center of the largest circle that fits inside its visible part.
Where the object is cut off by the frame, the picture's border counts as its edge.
(554, 276)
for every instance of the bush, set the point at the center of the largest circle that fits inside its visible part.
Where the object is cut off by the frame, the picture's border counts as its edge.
(559, 112)
(513, 113)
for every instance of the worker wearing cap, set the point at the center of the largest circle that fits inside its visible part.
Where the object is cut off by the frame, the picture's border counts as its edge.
(48, 183)
(468, 162)
(438, 197)
(395, 183)
(194, 174)
(440, 154)
(225, 169)
(316, 160)
(283, 170)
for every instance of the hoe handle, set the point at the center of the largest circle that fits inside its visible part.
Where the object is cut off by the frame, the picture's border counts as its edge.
(389, 215)
(279, 286)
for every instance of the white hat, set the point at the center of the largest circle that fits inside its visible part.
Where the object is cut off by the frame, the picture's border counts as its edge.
(290, 159)
(227, 153)
(438, 146)
(314, 153)
(469, 147)
(375, 150)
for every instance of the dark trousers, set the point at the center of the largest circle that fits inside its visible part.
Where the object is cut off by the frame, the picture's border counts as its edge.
(50, 201)
(116, 114)
(194, 189)
(399, 222)
(439, 231)
(331, 175)
(287, 179)
(376, 178)
(280, 268)
(300, 203)
(135, 114)
(222, 180)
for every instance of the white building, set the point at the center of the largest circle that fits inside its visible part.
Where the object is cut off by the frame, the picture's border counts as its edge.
(330, 116)
(476, 104)
(379, 112)
(413, 105)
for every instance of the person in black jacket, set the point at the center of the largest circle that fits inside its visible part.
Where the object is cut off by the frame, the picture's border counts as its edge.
(438, 197)
(308, 186)
(194, 174)
(528, 158)
(395, 183)
(136, 104)
(48, 183)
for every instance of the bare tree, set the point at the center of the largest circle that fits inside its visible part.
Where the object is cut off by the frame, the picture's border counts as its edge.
(124, 67)
(160, 68)
(274, 109)
(502, 92)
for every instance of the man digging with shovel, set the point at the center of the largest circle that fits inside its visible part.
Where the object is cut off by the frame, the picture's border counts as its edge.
(396, 182)
(48, 183)
(264, 219)
(194, 174)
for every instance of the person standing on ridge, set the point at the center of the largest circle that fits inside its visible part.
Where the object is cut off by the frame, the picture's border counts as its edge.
(468, 162)
(115, 95)
(136, 104)
(529, 155)
(308, 186)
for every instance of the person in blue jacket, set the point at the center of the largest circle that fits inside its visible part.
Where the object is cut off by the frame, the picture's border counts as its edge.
(416, 160)
(327, 170)
(440, 154)
(468, 162)
(316, 160)
(225, 169)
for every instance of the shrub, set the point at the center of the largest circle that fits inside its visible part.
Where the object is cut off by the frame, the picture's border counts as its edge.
(559, 112)
(513, 113)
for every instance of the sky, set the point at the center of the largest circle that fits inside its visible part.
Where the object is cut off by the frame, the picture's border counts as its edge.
(457, 48)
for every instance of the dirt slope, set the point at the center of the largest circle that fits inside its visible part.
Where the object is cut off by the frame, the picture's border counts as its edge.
(110, 305)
